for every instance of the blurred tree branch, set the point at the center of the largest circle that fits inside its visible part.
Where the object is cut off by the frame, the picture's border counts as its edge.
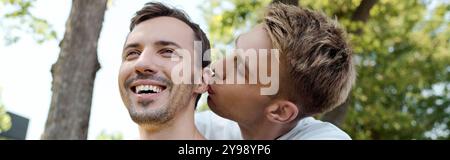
(290, 2)
(361, 14)
(18, 19)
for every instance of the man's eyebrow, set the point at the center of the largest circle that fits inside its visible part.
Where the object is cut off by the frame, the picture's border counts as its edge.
(131, 45)
(236, 40)
(167, 43)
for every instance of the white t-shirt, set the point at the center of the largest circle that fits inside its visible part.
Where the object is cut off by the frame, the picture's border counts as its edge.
(214, 127)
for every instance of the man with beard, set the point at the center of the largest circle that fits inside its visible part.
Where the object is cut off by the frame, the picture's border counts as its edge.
(162, 108)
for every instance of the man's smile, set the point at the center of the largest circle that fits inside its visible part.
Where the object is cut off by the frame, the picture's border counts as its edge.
(147, 90)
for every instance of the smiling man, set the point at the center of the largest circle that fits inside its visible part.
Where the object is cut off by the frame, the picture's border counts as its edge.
(159, 39)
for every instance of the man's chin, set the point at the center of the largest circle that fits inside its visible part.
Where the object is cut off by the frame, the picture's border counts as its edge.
(145, 108)
(149, 112)
(212, 105)
(150, 118)
(146, 104)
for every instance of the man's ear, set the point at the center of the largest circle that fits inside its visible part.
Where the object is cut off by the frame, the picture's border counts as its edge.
(282, 111)
(203, 87)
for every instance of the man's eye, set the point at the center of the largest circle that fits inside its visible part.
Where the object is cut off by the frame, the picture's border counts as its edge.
(167, 52)
(132, 54)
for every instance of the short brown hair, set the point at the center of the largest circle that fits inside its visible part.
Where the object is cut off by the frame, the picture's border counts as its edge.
(156, 9)
(316, 55)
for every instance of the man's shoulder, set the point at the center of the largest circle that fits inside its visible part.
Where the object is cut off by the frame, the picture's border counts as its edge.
(309, 128)
(214, 127)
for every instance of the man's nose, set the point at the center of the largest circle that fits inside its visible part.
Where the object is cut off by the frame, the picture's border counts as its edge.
(146, 64)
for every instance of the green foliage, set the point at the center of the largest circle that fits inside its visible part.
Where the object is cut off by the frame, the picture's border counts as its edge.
(4, 138)
(5, 119)
(109, 136)
(402, 58)
(16, 18)
(202, 107)
(234, 14)
(227, 19)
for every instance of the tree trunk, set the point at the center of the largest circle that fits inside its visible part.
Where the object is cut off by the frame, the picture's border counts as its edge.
(74, 72)
(361, 14)
(291, 2)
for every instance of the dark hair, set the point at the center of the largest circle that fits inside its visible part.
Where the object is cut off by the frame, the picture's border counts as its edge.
(156, 9)
(317, 56)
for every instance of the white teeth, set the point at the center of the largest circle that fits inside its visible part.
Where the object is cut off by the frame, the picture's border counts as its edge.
(141, 88)
(153, 88)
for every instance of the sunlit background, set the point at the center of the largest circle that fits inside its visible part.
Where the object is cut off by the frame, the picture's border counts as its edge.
(402, 53)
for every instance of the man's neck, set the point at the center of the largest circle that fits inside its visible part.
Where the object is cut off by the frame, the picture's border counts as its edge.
(265, 130)
(181, 127)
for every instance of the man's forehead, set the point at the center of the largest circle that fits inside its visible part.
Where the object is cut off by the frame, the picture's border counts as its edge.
(257, 38)
(164, 21)
(162, 28)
